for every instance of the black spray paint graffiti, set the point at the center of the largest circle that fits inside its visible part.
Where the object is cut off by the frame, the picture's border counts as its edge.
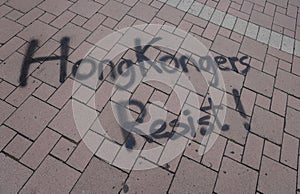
(158, 126)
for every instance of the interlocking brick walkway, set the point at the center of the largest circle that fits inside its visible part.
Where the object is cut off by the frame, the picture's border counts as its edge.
(45, 150)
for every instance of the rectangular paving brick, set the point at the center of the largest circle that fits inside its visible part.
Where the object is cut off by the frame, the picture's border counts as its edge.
(279, 100)
(288, 82)
(234, 151)
(275, 177)
(100, 172)
(40, 148)
(190, 178)
(6, 134)
(221, 45)
(267, 125)
(253, 48)
(13, 174)
(17, 146)
(260, 82)
(18, 96)
(170, 14)
(52, 172)
(114, 10)
(253, 151)
(63, 93)
(42, 35)
(10, 47)
(289, 150)
(233, 173)
(8, 29)
(63, 149)
(143, 180)
(85, 150)
(143, 12)
(261, 19)
(292, 121)
(284, 21)
(64, 123)
(55, 7)
(213, 156)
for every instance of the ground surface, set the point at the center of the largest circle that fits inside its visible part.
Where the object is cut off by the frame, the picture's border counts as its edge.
(43, 152)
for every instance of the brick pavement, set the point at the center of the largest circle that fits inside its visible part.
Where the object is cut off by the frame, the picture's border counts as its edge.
(44, 149)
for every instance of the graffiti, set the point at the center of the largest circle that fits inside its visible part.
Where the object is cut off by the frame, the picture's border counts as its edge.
(140, 55)
(157, 128)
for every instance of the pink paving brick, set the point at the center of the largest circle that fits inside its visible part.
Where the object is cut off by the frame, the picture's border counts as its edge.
(223, 5)
(292, 121)
(267, 125)
(192, 151)
(176, 99)
(144, 181)
(270, 65)
(17, 146)
(263, 101)
(158, 98)
(40, 148)
(63, 19)
(261, 19)
(6, 111)
(271, 150)
(285, 21)
(13, 174)
(170, 14)
(102, 95)
(190, 178)
(289, 151)
(253, 151)
(98, 172)
(295, 67)
(10, 47)
(253, 48)
(269, 9)
(85, 150)
(64, 123)
(85, 8)
(63, 94)
(30, 17)
(76, 34)
(234, 151)
(55, 7)
(275, 177)
(260, 82)
(293, 102)
(143, 12)
(8, 29)
(5, 88)
(221, 45)
(288, 83)
(63, 149)
(247, 7)
(24, 6)
(18, 96)
(285, 65)
(114, 10)
(44, 91)
(141, 94)
(247, 101)
(6, 134)
(213, 156)
(52, 172)
(235, 177)
(236, 122)
(211, 31)
(279, 102)
(38, 30)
